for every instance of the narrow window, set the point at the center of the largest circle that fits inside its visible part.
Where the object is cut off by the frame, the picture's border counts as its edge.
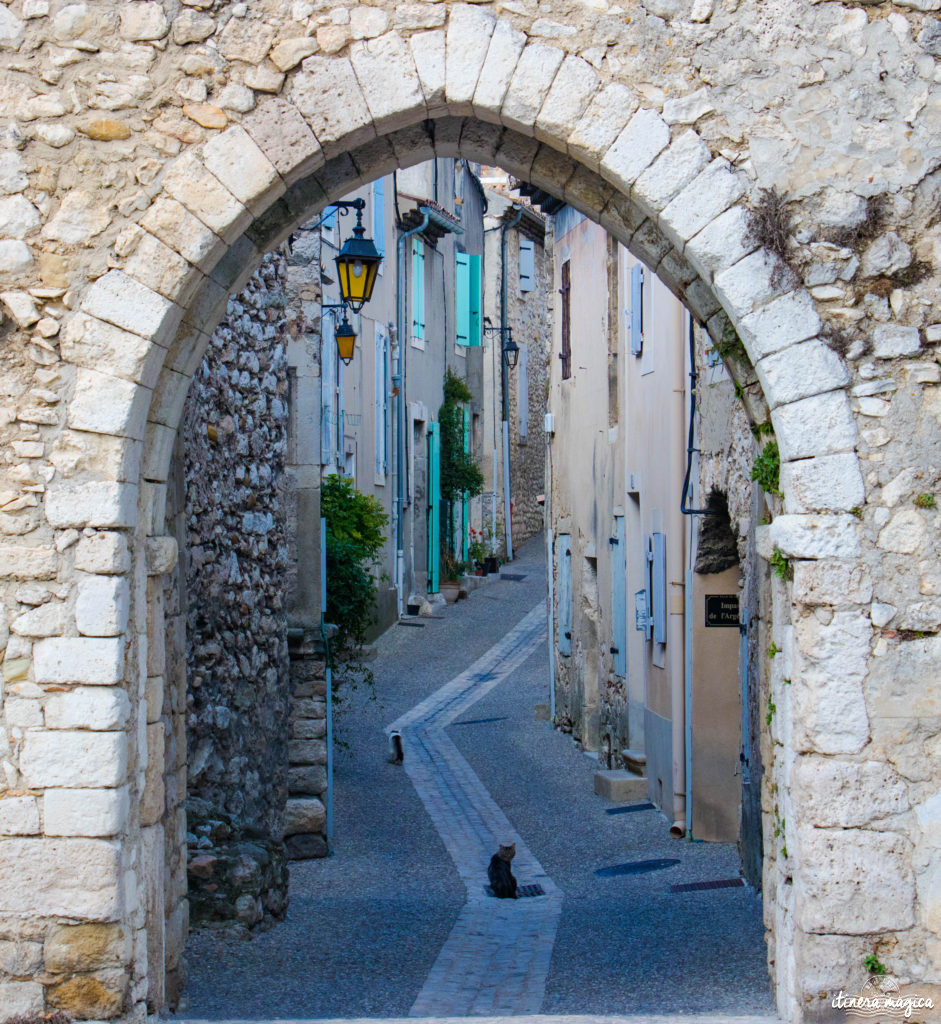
(527, 265)
(565, 292)
(418, 292)
(467, 298)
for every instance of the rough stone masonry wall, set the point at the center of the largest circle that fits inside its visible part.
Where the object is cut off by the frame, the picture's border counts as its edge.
(131, 208)
(236, 698)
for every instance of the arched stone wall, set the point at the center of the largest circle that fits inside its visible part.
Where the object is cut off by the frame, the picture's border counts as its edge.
(600, 115)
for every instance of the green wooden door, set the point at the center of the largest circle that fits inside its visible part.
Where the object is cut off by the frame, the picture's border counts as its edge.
(434, 507)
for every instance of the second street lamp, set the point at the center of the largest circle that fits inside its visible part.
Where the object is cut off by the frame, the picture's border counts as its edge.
(344, 335)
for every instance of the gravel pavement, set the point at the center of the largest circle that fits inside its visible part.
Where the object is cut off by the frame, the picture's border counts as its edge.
(365, 926)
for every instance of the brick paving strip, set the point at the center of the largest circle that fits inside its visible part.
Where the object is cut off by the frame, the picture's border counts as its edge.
(496, 958)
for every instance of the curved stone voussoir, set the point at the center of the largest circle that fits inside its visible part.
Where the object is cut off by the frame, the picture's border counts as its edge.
(118, 299)
(506, 45)
(572, 90)
(188, 181)
(801, 371)
(428, 50)
(282, 133)
(532, 78)
(827, 483)
(376, 63)
(337, 126)
(606, 117)
(469, 30)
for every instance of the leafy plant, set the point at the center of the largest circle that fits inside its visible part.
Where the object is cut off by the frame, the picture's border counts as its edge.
(857, 511)
(460, 474)
(772, 707)
(926, 501)
(773, 650)
(355, 535)
(767, 468)
(452, 568)
(780, 566)
(873, 964)
(476, 549)
(730, 345)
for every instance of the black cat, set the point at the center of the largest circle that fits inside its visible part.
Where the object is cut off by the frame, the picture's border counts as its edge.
(501, 877)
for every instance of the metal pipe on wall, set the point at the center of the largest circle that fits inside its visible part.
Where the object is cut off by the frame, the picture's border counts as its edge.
(504, 385)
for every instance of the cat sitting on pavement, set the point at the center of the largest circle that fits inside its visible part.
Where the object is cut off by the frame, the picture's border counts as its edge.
(501, 877)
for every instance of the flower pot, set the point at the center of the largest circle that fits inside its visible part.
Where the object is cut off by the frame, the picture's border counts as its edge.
(491, 564)
(450, 590)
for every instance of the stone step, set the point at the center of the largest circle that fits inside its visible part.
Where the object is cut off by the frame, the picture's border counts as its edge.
(620, 785)
(635, 761)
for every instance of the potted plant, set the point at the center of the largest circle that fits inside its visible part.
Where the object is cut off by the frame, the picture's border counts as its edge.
(452, 569)
(476, 550)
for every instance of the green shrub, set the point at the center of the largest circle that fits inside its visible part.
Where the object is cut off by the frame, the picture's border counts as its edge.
(767, 468)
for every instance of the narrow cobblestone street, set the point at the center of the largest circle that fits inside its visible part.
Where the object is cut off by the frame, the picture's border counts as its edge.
(397, 923)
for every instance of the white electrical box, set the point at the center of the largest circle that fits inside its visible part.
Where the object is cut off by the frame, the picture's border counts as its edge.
(550, 423)
(633, 482)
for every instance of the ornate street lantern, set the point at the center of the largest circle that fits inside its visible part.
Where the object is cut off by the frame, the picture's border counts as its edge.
(511, 352)
(357, 266)
(346, 339)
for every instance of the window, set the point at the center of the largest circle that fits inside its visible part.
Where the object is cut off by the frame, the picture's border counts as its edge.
(329, 230)
(637, 309)
(658, 586)
(527, 265)
(467, 298)
(418, 292)
(565, 292)
(382, 403)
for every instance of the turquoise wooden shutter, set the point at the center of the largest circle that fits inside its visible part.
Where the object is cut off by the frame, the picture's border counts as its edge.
(659, 587)
(379, 216)
(619, 597)
(474, 299)
(462, 298)
(434, 507)
(418, 289)
(564, 558)
(465, 509)
(637, 309)
(527, 265)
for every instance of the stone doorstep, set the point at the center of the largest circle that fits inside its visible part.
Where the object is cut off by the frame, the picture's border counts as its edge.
(635, 761)
(620, 785)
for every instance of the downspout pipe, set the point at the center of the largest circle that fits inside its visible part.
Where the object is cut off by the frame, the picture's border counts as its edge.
(504, 382)
(398, 382)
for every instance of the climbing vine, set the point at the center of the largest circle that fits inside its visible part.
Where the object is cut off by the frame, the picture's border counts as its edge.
(460, 474)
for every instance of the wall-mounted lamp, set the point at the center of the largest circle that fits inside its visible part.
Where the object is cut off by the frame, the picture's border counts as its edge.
(511, 351)
(358, 261)
(344, 334)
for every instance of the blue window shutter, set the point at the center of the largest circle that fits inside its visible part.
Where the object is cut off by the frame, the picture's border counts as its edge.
(328, 389)
(474, 299)
(527, 265)
(564, 559)
(637, 309)
(434, 506)
(418, 289)
(462, 298)
(659, 580)
(380, 383)
(379, 215)
(619, 597)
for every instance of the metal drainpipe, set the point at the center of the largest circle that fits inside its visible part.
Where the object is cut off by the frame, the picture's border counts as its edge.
(398, 380)
(504, 386)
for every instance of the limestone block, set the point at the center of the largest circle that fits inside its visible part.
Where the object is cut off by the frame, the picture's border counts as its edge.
(246, 39)
(88, 996)
(74, 760)
(529, 87)
(603, 121)
(120, 300)
(12, 29)
(74, 878)
(621, 217)
(143, 21)
(304, 815)
(620, 785)
(79, 217)
(367, 22)
(86, 341)
(783, 322)
(20, 997)
(157, 266)
(184, 233)
(79, 660)
(902, 682)
(889, 341)
(201, 192)
(18, 217)
(506, 45)
(829, 711)
(308, 728)
(853, 881)
(98, 503)
(843, 641)
(234, 158)
(828, 483)
(15, 256)
(468, 39)
(829, 793)
(85, 812)
(103, 552)
(28, 563)
(309, 707)
(921, 616)
(378, 62)
(21, 306)
(102, 404)
(102, 606)
(192, 27)
(102, 708)
(311, 779)
(428, 52)
(237, 97)
(20, 959)
(671, 172)
(338, 127)
(153, 798)
(307, 751)
(644, 137)
(815, 536)
(709, 194)
(305, 846)
(886, 255)
(19, 816)
(749, 284)
(819, 425)
(688, 109)
(904, 533)
(162, 554)
(480, 141)
(832, 583)
(47, 620)
(288, 53)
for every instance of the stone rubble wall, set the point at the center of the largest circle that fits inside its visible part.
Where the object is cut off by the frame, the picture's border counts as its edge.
(236, 687)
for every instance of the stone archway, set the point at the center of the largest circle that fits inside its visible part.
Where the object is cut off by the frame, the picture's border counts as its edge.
(490, 89)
